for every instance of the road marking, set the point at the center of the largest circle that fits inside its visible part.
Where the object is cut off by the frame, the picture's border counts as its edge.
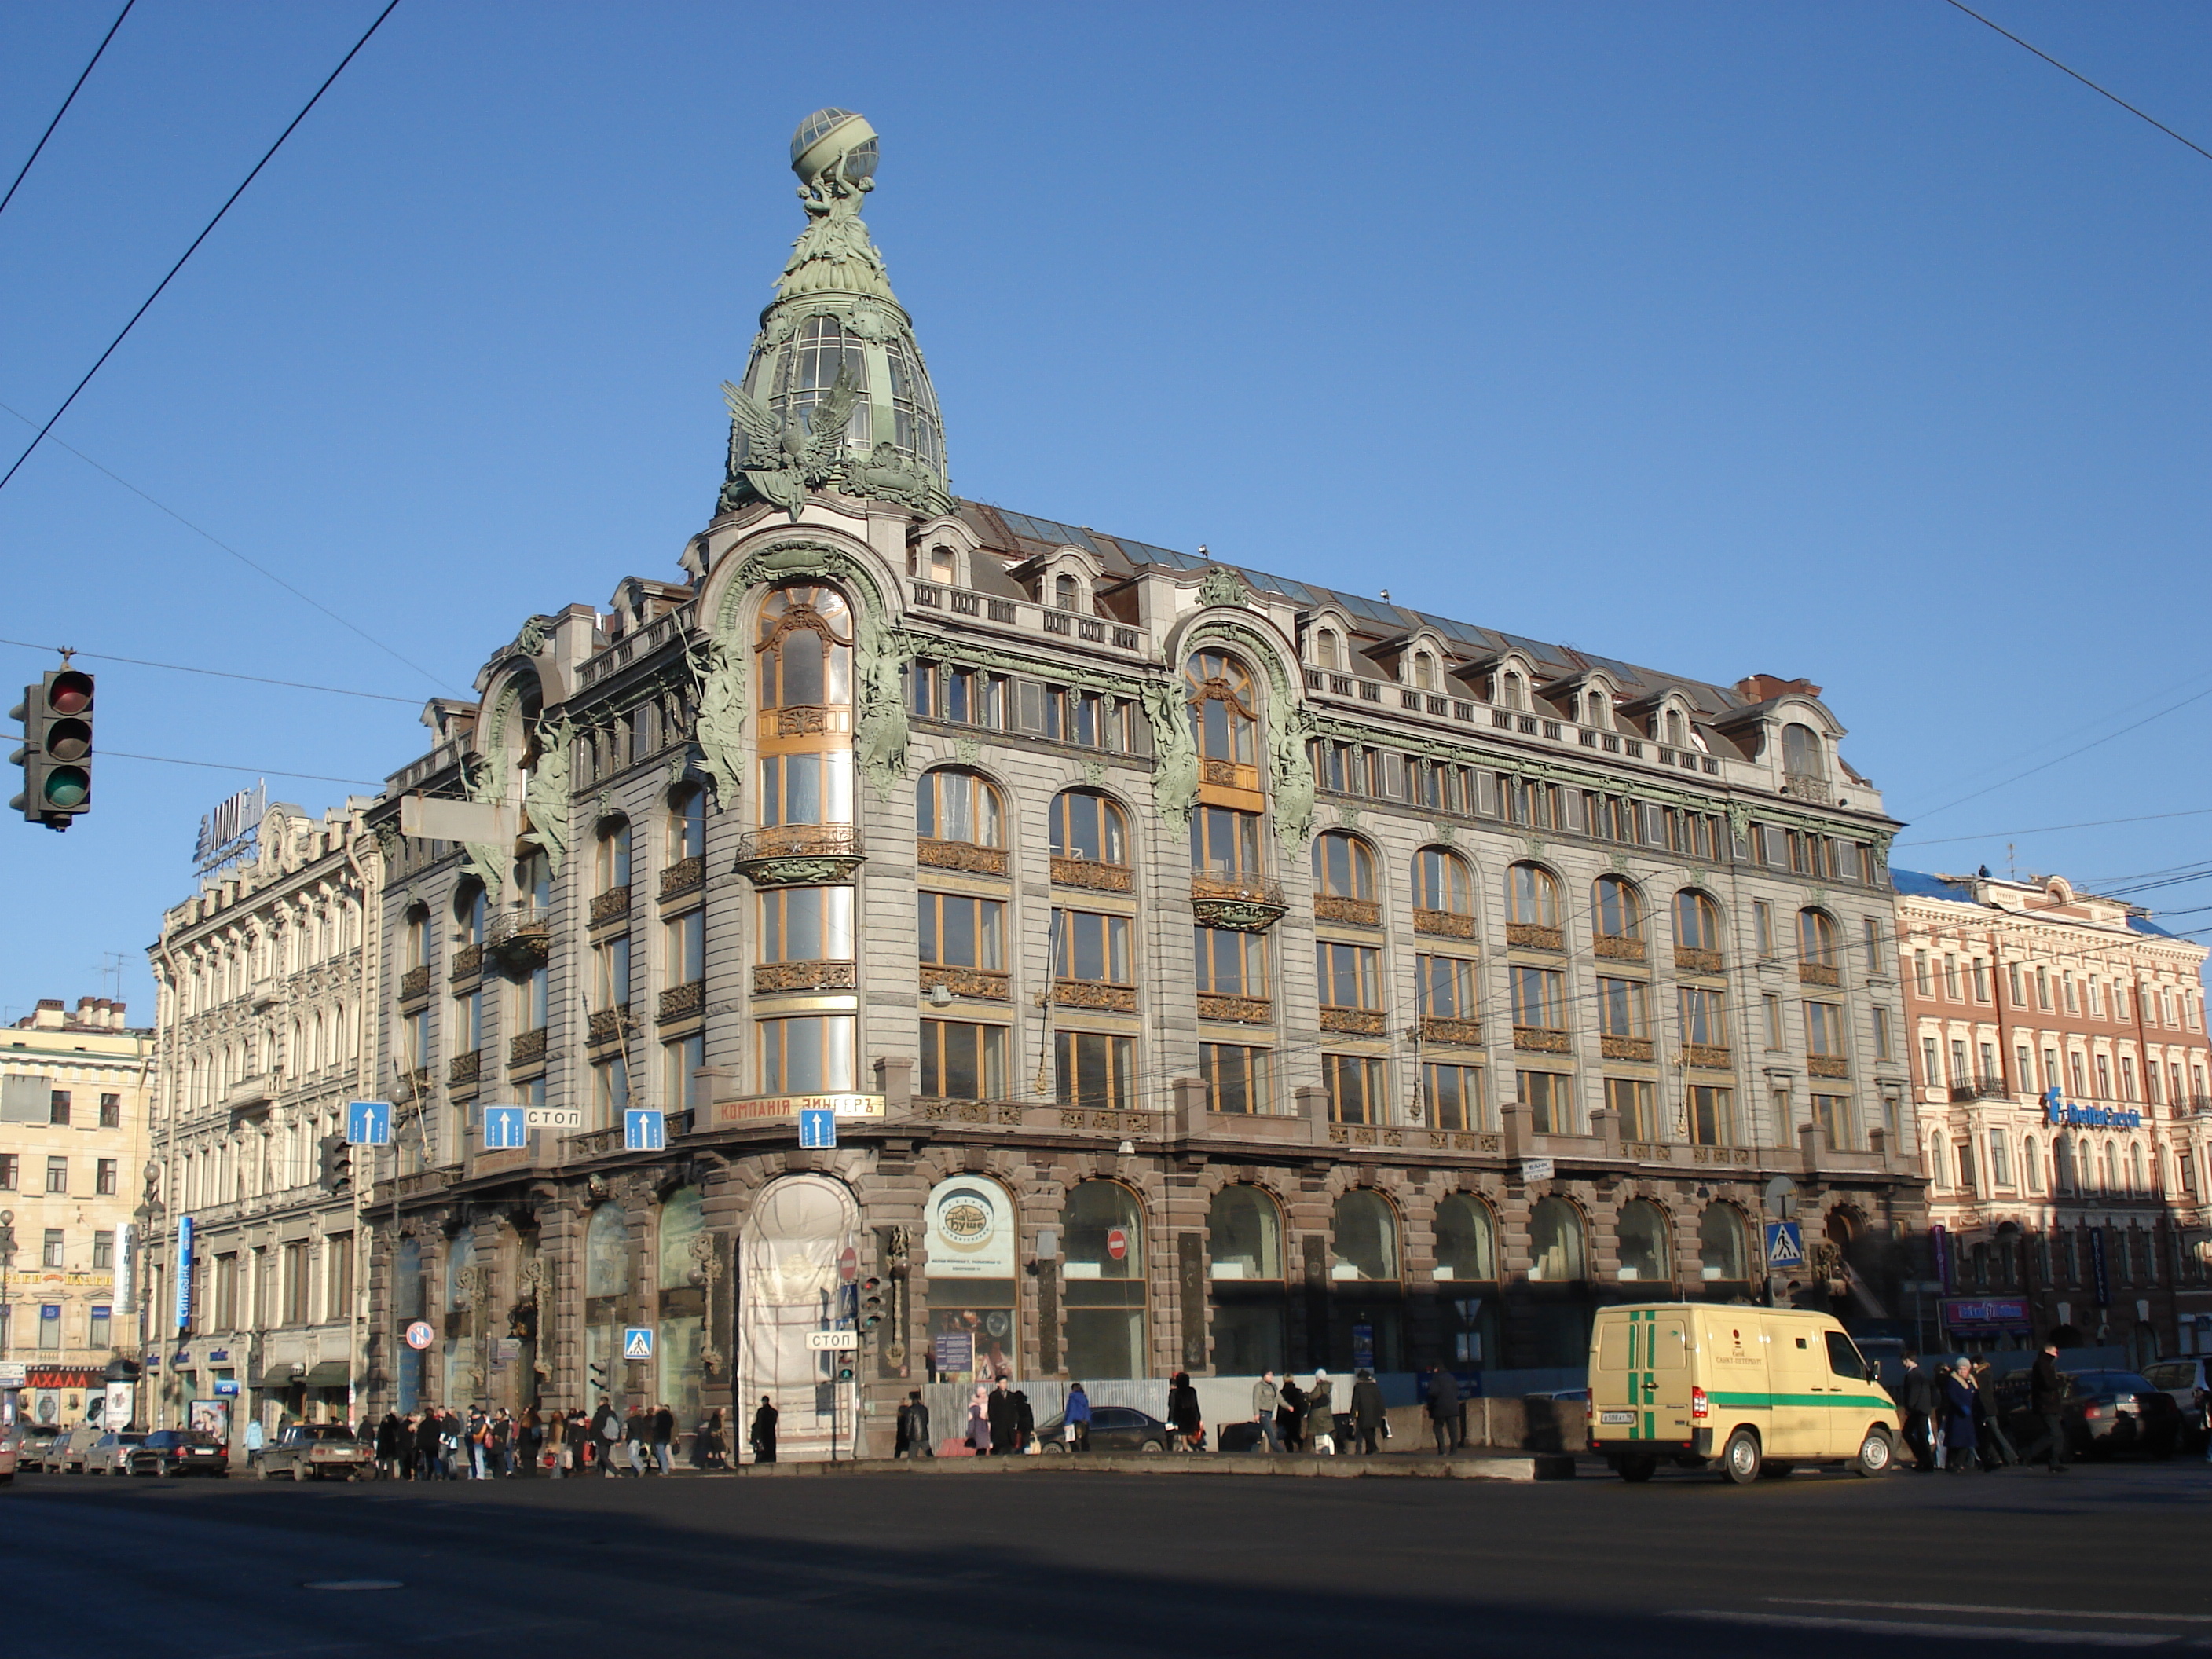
(1969, 1606)
(2095, 1638)
(353, 1584)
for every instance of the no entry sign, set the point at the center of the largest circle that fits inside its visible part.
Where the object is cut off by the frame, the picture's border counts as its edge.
(1117, 1243)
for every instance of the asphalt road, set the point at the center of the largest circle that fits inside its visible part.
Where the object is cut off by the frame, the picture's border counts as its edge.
(1073, 1566)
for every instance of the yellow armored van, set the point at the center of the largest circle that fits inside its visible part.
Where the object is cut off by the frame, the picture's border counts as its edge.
(1754, 1388)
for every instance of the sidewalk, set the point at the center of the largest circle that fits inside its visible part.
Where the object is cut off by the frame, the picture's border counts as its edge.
(1475, 1464)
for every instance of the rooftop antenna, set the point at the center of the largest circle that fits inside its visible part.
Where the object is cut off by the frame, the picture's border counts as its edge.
(2012, 868)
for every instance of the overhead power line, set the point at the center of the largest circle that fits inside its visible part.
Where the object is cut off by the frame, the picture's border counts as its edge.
(2052, 828)
(216, 673)
(2100, 91)
(2172, 708)
(250, 771)
(205, 233)
(40, 146)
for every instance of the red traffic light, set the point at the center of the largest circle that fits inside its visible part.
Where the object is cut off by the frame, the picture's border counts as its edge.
(69, 692)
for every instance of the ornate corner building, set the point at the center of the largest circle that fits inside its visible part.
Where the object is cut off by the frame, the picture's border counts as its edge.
(1205, 970)
(2059, 1046)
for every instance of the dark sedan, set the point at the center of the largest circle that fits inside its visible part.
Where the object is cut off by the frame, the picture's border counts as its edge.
(180, 1451)
(1113, 1428)
(2105, 1413)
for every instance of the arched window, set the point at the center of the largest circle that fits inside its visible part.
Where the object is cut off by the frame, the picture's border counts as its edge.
(1532, 894)
(2138, 1176)
(533, 880)
(1343, 867)
(1676, 729)
(687, 823)
(1425, 670)
(612, 865)
(1467, 1241)
(1641, 1237)
(1816, 939)
(1364, 1241)
(805, 650)
(682, 1220)
(607, 1310)
(1328, 648)
(1087, 825)
(682, 1311)
(1697, 922)
(415, 944)
(1510, 692)
(952, 804)
(1223, 712)
(1597, 709)
(1720, 1250)
(1244, 1244)
(2030, 1157)
(1104, 1274)
(1064, 592)
(1618, 908)
(1801, 753)
(606, 1254)
(1555, 1243)
(1442, 882)
(469, 911)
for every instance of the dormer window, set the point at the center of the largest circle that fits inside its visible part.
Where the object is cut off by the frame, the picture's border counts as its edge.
(1677, 729)
(1597, 710)
(1801, 753)
(1065, 593)
(1328, 648)
(934, 565)
(1510, 693)
(1425, 670)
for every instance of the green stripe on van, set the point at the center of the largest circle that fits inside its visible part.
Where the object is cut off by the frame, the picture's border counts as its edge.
(1769, 1401)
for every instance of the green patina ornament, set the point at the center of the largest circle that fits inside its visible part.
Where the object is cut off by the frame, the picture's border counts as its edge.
(1174, 755)
(545, 792)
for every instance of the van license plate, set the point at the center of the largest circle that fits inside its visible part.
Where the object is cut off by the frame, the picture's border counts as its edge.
(1616, 1416)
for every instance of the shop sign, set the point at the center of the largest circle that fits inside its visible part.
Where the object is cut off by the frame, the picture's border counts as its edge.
(12, 1373)
(2069, 1115)
(768, 1108)
(1984, 1313)
(971, 1231)
(58, 1377)
(183, 1321)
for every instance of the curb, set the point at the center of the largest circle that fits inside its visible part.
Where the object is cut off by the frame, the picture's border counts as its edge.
(1537, 1466)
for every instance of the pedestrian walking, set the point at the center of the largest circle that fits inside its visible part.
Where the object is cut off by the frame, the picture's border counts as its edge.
(1367, 1419)
(556, 1445)
(763, 1437)
(1075, 1421)
(912, 1440)
(426, 1445)
(1320, 1417)
(979, 1423)
(664, 1439)
(1000, 1409)
(1994, 1445)
(1184, 1422)
(2046, 1399)
(1958, 1417)
(1444, 1409)
(387, 1446)
(606, 1435)
(1919, 1400)
(1266, 1400)
(256, 1438)
(637, 1429)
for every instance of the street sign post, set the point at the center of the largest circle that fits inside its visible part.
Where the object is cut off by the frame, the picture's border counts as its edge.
(645, 1132)
(817, 1129)
(637, 1342)
(368, 1123)
(1785, 1245)
(833, 1341)
(554, 1117)
(503, 1129)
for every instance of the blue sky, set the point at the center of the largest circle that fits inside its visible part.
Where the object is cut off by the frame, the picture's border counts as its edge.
(1848, 342)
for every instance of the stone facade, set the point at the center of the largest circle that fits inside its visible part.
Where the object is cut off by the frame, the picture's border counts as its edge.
(267, 1015)
(2092, 1225)
(1502, 1001)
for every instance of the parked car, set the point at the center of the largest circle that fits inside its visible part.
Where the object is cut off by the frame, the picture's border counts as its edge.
(69, 1452)
(2104, 1412)
(31, 1442)
(111, 1453)
(180, 1451)
(2187, 1381)
(1113, 1428)
(326, 1451)
(7, 1459)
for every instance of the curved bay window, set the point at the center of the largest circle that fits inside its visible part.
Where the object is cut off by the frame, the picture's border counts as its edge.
(1617, 908)
(1245, 1249)
(1532, 908)
(1466, 1280)
(1365, 1270)
(809, 926)
(1224, 718)
(1640, 1236)
(1104, 1274)
(806, 1055)
(1723, 1252)
(607, 1277)
(804, 649)
(682, 1282)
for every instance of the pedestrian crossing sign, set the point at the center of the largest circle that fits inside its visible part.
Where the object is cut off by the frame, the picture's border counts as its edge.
(637, 1342)
(1785, 1245)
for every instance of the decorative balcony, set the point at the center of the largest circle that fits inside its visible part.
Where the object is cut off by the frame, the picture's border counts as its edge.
(1689, 961)
(1815, 972)
(1229, 774)
(606, 1024)
(1245, 1011)
(1244, 903)
(1541, 1040)
(682, 1001)
(1451, 1030)
(1527, 935)
(1712, 1056)
(960, 855)
(521, 937)
(1354, 1022)
(1827, 1066)
(684, 876)
(1618, 950)
(1625, 1047)
(1987, 1088)
(800, 855)
(414, 983)
(1443, 924)
(1357, 913)
(1813, 790)
(462, 1070)
(468, 962)
(1088, 994)
(610, 906)
(776, 978)
(1089, 872)
(809, 721)
(527, 1048)
(977, 984)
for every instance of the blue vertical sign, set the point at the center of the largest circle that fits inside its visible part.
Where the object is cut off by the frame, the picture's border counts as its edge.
(818, 1126)
(183, 1273)
(368, 1122)
(503, 1128)
(644, 1132)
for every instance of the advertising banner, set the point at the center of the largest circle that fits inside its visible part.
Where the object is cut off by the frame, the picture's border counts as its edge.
(1984, 1315)
(972, 1233)
(184, 1319)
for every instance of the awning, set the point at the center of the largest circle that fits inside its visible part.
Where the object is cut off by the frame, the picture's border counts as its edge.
(329, 1374)
(277, 1375)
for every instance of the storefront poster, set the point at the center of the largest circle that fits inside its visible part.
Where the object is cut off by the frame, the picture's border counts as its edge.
(972, 1233)
(211, 1416)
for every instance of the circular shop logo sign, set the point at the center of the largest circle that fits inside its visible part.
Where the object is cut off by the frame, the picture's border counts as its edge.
(419, 1335)
(965, 1219)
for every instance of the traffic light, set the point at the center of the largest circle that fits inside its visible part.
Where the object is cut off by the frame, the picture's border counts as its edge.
(871, 1303)
(336, 1173)
(57, 751)
(845, 1366)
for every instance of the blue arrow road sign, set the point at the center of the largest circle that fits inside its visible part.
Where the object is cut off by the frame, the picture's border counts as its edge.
(504, 1129)
(644, 1132)
(368, 1122)
(637, 1342)
(818, 1126)
(1785, 1246)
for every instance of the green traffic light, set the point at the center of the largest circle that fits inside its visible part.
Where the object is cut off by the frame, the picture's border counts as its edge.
(67, 785)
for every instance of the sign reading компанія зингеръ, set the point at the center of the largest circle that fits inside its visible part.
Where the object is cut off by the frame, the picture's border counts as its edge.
(763, 1107)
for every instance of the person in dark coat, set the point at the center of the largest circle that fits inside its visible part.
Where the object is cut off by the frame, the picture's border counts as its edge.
(1025, 1423)
(663, 1440)
(426, 1446)
(1366, 1410)
(387, 1447)
(1004, 1418)
(1183, 1418)
(1443, 1392)
(1958, 1402)
(2046, 1398)
(637, 1431)
(1290, 1415)
(763, 1437)
(913, 1439)
(1917, 1399)
(706, 1443)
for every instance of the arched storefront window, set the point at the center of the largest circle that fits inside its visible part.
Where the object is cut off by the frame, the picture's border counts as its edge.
(787, 1289)
(462, 1351)
(1103, 1271)
(683, 1286)
(1640, 1235)
(974, 1275)
(1367, 1323)
(407, 1307)
(1467, 1280)
(1558, 1320)
(1723, 1258)
(607, 1282)
(1244, 1247)
(1223, 715)
(1555, 1243)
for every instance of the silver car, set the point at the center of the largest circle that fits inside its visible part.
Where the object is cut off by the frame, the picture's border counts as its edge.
(2185, 1379)
(70, 1451)
(111, 1453)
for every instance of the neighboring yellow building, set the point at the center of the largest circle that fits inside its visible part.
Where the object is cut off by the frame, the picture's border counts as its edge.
(74, 1097)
